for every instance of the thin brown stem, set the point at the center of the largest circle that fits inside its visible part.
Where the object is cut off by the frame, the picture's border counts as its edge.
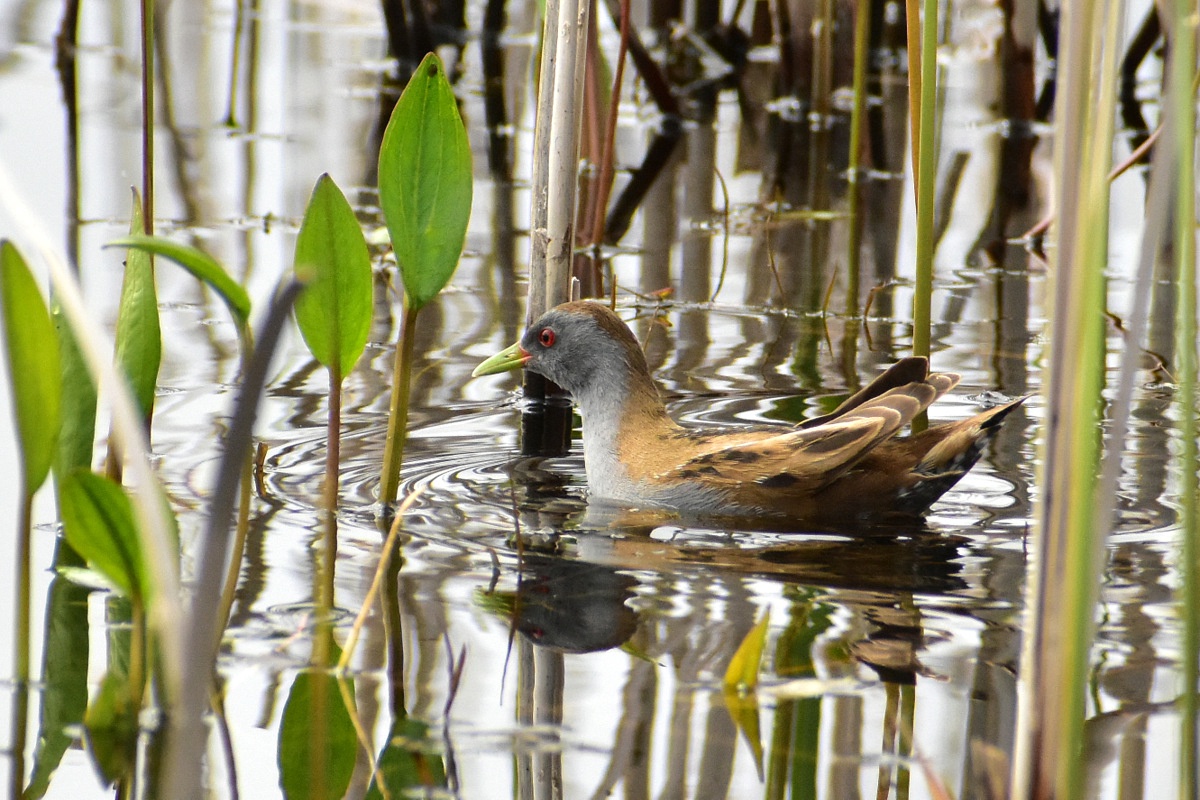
(604, 182)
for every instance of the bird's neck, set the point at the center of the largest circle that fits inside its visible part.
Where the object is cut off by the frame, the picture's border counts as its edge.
(634, 404)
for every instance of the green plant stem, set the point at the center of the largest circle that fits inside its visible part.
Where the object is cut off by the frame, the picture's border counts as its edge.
(148, 115)
(925, 176)
(397, 435)
(912, 20)
(1071, 515)
(330, 500)
(862, 32)
(137, 650)
(1180, 100)
(21, 647)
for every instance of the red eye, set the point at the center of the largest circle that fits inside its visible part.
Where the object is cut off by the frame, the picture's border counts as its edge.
(546, 337)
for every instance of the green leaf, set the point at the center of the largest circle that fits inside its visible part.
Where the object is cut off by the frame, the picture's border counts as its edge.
(301, 753)
(139, 341)
(334, 311)
(741, 676)
(741, 680)
(98, 523)
(32, 350)
(78, 432)
(409, 760)
(200, 264)
(111, 723)
(425, 182)
(64, 677)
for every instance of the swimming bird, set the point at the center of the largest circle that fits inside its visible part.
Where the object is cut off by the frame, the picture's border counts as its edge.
(847, 465)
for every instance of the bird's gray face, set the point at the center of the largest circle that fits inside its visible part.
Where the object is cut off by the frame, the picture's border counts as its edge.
(573, 351)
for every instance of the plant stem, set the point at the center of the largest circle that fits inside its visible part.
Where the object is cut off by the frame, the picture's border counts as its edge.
(862, 32)
(137, 650)
(925, 177)
(604, 182)
(397, 435)
(912, 20)
(238, 550)
(1182, 35)
(148, 116)
(21, 648)
(1072, 517)
(330, 500)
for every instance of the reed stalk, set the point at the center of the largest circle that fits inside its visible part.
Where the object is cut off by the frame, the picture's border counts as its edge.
(148, 115)
(1181, 106)
(1071, 518)
(556, 154)
(925, 177)
(858, 117)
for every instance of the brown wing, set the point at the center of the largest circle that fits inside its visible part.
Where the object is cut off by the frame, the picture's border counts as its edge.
(905, 371)
(804, 461)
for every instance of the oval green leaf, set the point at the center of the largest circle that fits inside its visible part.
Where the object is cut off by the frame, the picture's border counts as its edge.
(741, 676)
(200, 264)
(139, 339)
(410, 764)
(337, 748)
(33, 367)
(334, 311)
(111, 723)
(98, 523)
(425, 182)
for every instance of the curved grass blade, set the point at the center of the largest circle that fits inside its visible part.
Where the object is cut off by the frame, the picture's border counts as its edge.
(185, 748)
(334, 310)
(139, 338)
(200, 264)
(425, 182)
(32, 354)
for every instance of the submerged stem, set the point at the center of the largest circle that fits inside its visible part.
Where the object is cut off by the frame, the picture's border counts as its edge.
(21, 648)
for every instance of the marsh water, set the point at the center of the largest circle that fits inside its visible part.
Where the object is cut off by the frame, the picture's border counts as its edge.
(594, 651)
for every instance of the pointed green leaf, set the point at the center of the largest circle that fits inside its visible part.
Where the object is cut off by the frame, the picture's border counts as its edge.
(98, 523)
(32, 355)
(200, 264)
(78, 433)
(741, 676)
(409, 761)
(139, 341)
(111, 724)
(334, 311)
(64, 678)
(425, 182)
(300, 777)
